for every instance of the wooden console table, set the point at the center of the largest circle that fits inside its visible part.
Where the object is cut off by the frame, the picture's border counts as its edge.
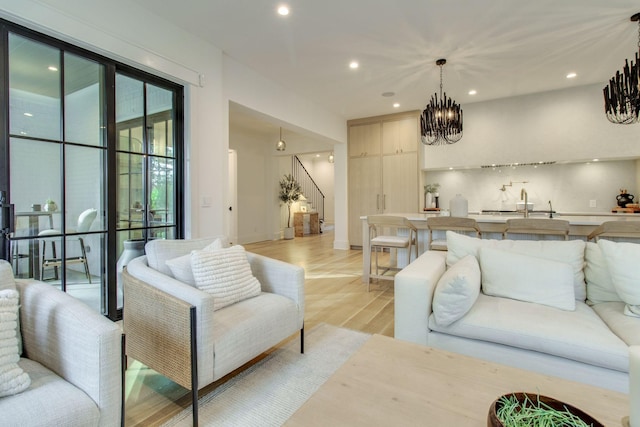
(392, 382)
(298, 223)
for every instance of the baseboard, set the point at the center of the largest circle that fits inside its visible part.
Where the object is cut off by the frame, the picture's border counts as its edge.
(341, 244)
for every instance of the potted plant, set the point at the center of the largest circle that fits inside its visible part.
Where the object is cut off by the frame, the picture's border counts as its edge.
(430, 190)
(290, 191)
(50, 205)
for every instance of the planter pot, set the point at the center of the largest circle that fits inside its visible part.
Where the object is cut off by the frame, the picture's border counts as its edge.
(288, 233)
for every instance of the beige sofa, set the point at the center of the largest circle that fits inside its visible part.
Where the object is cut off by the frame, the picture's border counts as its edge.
(158, 310)
(72, 355)
(587, 340)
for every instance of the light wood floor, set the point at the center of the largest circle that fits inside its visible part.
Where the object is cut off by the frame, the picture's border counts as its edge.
(334, 294)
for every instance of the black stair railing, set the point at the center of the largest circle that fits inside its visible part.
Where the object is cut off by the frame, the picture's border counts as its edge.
(310, 189)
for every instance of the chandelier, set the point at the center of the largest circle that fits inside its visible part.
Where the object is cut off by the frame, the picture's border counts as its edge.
(622, 97)
(441, 121)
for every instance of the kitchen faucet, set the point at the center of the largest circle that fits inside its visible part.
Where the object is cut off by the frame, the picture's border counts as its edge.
(524, 196)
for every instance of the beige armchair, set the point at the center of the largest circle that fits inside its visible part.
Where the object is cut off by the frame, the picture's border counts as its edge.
(73, 356)
(171, 326)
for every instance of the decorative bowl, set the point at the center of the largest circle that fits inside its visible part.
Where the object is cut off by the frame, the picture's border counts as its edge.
(494, 421)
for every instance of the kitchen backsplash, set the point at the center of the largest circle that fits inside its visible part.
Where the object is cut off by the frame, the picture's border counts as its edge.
(571, 187)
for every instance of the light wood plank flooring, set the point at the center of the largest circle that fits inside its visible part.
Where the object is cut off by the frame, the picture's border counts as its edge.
(334, 294)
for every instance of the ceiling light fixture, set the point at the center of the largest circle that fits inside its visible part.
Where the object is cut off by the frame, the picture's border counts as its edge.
(283, 10)
(571, 75)
(331, 157)
(441, 121)
(281, 145)
(622, 96)
(354, 65)
(396, 105)
(473, 92)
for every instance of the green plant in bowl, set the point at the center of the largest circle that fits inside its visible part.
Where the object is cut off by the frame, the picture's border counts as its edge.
(533, 410)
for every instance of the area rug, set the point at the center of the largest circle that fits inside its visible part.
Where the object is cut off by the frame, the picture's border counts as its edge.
(269, 392)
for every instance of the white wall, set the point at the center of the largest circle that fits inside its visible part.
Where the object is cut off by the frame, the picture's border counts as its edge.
(552, 126)
(211, 79)
(255, 193)
(569, 187)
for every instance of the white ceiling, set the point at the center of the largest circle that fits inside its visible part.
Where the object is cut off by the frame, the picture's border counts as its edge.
(500, 48)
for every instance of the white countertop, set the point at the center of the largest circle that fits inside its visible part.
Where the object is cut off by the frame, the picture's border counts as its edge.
(576, 218)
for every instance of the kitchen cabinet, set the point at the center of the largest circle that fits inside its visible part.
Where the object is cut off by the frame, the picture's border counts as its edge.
(400, 136)
(383, 168)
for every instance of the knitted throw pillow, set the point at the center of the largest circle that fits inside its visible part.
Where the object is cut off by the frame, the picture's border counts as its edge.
(13, 379)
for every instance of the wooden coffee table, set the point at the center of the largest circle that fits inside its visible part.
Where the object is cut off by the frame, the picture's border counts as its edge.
(390, 382)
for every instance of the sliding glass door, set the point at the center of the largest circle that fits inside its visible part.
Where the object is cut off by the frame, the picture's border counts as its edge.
(92, 164)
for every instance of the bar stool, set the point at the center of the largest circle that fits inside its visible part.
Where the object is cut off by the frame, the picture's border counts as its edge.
(384, 234)
(450, 223)
(538, 226)
(617, 229)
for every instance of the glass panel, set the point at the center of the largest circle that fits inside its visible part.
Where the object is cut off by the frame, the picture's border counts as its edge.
(161, 191)
(35, 178)
(160, 118)
(130, 190)
(34, 89)
(83, 86)
(50, 260)
(83, 265)
(129, 113)
(163, 233)
(84, 189)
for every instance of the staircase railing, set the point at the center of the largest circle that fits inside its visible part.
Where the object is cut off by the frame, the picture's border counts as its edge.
(310, 189)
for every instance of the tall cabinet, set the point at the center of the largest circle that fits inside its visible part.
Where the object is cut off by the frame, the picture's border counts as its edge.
(383, 168)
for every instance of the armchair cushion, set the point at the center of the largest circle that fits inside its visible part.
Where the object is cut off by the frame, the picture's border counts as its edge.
(160, 250)
(225, 274)
(13, 379)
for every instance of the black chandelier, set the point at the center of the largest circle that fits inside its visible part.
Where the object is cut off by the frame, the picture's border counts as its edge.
(441, 121)
(622, 97)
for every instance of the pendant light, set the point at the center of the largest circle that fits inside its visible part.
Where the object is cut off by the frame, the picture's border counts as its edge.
(622, 95)
(441, 121)
(281, 145)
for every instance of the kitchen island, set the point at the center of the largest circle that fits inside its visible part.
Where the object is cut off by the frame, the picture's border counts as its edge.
(491, 225)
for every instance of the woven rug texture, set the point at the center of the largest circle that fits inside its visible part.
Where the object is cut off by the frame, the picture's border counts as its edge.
(269, 392)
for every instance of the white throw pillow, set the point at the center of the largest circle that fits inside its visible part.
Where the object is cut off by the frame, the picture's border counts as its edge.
(622, 259)
(527, 278)
(181, 266)
(457, 291)
(226, 274)
(570, 252)
(596, 273)
(13, 379)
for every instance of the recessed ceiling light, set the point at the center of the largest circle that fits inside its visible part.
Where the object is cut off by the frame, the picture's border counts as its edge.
(353, 65)
(388, 94)
(28, 114)
(571, 75)
(473, 92)
(396, 105)
(283, 10)
(52, 68)
(596, 160)
(317, 155)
